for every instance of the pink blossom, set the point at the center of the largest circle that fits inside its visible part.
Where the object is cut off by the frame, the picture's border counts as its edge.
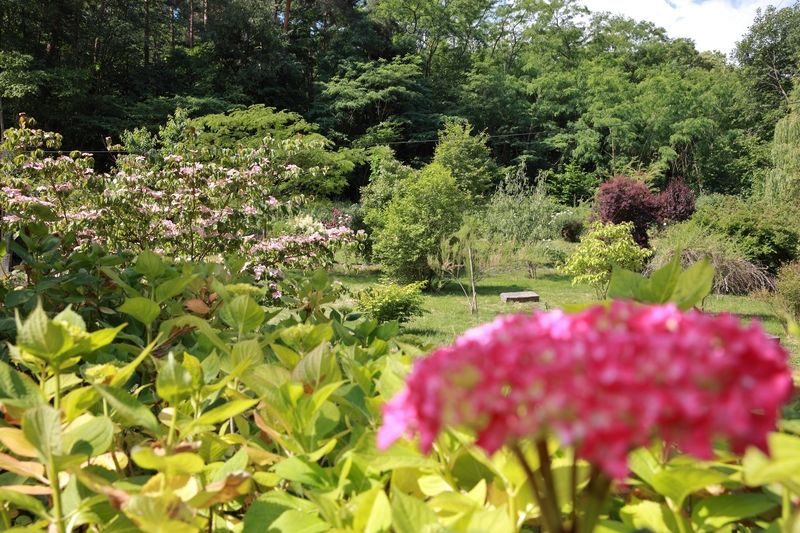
(606, 380)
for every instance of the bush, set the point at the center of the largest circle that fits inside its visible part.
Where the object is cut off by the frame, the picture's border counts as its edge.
(624, 199)
(390, 301)
(521, 213)
(571, 223)
(467, 156)
(605, 246)
(676, 202)
(733, 272)
(788, 287)
(427, 207)
(764, 234)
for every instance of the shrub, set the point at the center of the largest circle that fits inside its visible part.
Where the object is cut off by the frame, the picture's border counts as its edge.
(765, 234)
(521, 213)
(572, 184)
(427, 207)
(390, 301)
(605, 246)
(788, 287)
(676, 202)
(733, 272)
(571, 223)
(624, 199)
(467, 156)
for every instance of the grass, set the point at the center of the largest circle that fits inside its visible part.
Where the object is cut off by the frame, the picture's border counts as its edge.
(449, 316)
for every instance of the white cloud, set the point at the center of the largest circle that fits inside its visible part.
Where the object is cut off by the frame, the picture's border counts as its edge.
(712, 24)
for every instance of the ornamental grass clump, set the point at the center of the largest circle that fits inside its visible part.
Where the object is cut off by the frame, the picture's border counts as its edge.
(605, 381)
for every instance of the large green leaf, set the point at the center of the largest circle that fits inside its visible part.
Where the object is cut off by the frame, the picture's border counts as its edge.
(88, 436)
(23, 501)
(410, 515)
(243, 313)
(40, 336)
(694, 284)
(177, 464)
(714, 513)
(149, 265)
(174, 382)
(142, 309)
(222, 413)
(171, 287)
(677, 483)
(372, 511)
(129, 409)
(42, 427)
(303, 471)
(17, 389)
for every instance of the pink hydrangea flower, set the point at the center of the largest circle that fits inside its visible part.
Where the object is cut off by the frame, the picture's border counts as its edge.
(606, 380)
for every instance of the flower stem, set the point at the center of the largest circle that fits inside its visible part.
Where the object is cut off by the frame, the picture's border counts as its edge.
(55, 487)
(550, 520)
(596, 494)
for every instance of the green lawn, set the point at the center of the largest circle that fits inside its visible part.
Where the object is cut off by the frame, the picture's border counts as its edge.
(449, 316)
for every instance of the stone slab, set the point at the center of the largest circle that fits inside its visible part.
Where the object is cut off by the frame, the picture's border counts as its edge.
(522, 296)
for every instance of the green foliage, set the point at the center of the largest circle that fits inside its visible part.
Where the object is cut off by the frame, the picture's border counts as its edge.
(522, 213)
(389, 301)
(604, 247)
(692, 242)
(782, 182)
(428, 206)
(686, 288)
(787, 285)
(467, 157)
(761, 232)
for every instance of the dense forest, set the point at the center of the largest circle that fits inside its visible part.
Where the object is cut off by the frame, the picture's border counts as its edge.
(577, 95)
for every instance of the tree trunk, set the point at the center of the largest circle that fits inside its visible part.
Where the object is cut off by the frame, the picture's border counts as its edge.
(205, 14)
(146, 32)
(473, 303)
(191, 23)
(2, 124)
(287, 13)
(172, 26)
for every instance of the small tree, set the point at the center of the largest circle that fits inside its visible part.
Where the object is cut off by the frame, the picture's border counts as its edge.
(605, 246)
(624, 199)
(467, 157)
(676, 202)
(16, 79)
(462, 255)
(427, 207)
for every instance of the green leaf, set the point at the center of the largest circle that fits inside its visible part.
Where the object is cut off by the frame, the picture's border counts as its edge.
(125, 373)
(648, 515)
(677, 483)
(178, 464)
(18, 389)
(113, 276)
(129, 409)
(201, 325)
(694, 284)
(173, 382)
(39, 336)
(171, 287)
(713, 513)
(237, 463)
(88, 435)
(372, 512)
(149, 265)
(644, 464)
(23, 501)
(71, 318)
(243, 313)
(292, 521)
(42, 427)
(410, 515)
(625, 284)
(102, 337)
(142, 309)
(222, 413)
(318, 366)
(303, 471)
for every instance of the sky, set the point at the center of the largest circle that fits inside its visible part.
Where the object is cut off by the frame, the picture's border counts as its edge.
(712, 24)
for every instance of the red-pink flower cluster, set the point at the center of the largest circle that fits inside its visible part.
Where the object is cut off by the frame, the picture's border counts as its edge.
(606, 380)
